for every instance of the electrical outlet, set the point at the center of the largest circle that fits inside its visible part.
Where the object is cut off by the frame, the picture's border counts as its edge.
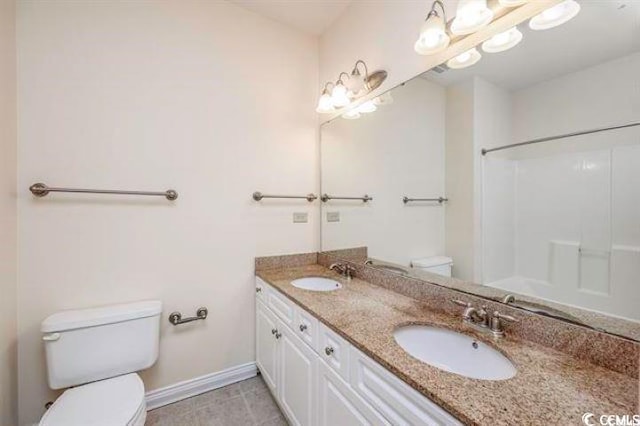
(300, 217)
(333, 216)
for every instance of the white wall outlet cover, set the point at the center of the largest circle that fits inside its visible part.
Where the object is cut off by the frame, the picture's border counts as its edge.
(300, 217)
(333, 216)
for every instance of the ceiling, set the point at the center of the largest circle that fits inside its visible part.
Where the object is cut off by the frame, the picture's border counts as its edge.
(310, 16)
(602, 31)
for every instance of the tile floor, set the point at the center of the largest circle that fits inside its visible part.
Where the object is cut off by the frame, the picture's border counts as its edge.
(247, 403)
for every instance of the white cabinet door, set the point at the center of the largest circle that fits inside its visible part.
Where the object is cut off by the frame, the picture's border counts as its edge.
(298, 376)
(339, 405)
(267, 345)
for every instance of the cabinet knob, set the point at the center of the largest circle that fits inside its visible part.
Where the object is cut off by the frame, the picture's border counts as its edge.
(258, 289)
(303, 327)
(328, 350)
(274, 330)
(278, 335)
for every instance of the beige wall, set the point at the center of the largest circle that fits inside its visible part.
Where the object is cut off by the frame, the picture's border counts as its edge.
(200, 96)
(8, 361)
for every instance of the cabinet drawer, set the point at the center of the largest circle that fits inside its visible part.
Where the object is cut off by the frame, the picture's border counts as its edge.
(306, 327)
(398, 402)
(261, 289)
(281, 306)
(333, 350)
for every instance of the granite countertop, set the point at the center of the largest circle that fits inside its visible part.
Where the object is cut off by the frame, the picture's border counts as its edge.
(549, 388)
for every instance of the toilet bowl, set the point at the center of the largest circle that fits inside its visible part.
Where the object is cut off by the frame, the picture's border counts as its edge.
(109, 402)
(94, 354)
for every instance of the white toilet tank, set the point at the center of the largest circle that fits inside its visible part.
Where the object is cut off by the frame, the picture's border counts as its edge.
(86, 345)
(440, 265)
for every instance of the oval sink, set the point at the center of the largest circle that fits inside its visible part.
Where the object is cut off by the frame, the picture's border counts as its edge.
(454, 352)
(316, 284)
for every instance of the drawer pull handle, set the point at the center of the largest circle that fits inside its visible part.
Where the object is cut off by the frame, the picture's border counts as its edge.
(303, 327)
(328, 350)
(258, 289)
(274, 330)
(278, 335)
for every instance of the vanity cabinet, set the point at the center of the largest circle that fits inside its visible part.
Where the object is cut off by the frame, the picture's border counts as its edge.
(319, 378)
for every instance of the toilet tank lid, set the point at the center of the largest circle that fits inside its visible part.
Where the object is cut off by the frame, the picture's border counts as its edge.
(429, 262)
(91, 317)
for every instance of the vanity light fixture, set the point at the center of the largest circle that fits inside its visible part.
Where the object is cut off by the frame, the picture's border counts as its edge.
(503, 41)
(339, 93)
(555, 15)
(367, 107)
(325, 103)
(433, 36)
(351, 115)
(471, 15)
(465, 59)
(512, 3)
(349, 87)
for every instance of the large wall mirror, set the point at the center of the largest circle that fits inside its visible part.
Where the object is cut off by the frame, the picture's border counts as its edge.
(517, 178)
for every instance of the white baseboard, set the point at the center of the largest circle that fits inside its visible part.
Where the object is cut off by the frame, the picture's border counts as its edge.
(192, 387)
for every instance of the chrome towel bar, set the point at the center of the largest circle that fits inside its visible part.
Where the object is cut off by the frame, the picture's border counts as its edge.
(175, 318)
(41, 190)
(258, 196)
(327, 197)
(440, 200)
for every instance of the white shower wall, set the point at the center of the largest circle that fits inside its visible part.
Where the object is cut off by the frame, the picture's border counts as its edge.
(570, 209)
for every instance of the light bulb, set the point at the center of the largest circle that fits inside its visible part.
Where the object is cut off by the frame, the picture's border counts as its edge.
(512, 3)
(433, 36)
(366, 107)
(351, 115)
(465, 59)
(355, 84)
(339, 95)
(471, 15)
(555, 16)
(325, 103)
(502, 41)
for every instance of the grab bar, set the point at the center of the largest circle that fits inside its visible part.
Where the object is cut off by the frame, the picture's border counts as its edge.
(258, 196)
(440, 200)
(327, 197)
(41, 190)
(175, 318)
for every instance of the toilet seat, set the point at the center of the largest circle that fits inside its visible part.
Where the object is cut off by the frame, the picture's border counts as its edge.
(118, 401)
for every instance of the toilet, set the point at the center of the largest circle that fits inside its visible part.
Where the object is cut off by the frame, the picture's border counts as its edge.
(95, 353)
(440, 265)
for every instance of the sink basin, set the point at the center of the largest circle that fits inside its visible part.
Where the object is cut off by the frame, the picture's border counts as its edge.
(316, 284)
(454, 352)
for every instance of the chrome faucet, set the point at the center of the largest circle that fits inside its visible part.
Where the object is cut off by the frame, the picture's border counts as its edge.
(343, 269)
(482, 321)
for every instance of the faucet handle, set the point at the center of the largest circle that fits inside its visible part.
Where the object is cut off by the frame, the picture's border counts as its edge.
(461, 303)
(509, 318)
(496, 323)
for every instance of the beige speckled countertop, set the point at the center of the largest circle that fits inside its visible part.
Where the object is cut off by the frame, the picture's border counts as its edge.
(550, 388)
